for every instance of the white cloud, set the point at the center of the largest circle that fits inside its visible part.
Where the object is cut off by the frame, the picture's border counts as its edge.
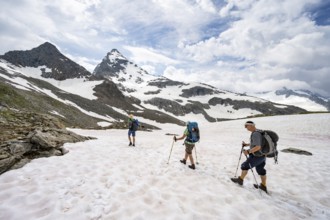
(144, 55)
(232, 44)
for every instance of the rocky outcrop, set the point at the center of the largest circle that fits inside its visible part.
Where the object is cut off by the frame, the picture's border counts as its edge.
(27, 135)
(296, 151)
(198, 91)
(175, 108)
(59, 67)
(164, 82)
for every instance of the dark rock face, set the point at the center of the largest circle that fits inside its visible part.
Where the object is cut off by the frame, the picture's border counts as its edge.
(297, 151)
(109, 93)
(198, 91)
(164, 82)
(153, 92)
(110, 67)
(27, 135)
(48, 55)
(177, 109)
(267, 108)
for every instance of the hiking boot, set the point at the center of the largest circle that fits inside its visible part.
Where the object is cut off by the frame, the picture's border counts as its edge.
(261, 186)
(237, 180)
(192, 166)
(130, 144)
(183, 161)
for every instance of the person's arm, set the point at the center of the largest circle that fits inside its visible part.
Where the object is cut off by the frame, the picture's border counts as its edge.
(256, 139)
(180, 138)
(245, 144)
(253, 150)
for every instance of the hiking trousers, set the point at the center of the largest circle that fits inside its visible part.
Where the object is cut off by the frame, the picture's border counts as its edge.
(257, 162)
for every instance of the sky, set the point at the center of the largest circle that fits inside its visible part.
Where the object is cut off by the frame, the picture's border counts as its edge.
(237, 45)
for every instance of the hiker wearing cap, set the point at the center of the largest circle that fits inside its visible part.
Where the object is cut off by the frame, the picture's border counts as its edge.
(255, 159)
(191, 134)
(132, 127)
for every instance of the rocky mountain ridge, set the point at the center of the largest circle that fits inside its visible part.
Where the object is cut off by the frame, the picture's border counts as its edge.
(119, 87)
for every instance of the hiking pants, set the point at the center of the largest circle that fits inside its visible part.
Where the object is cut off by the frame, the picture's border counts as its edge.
(257, 162)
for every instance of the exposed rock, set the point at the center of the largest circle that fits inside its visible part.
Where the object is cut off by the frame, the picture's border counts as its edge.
(153, 92)
(296, 151)
(177, 109)
(27, 135)
(198, 91)
(164, 82)
(266, 108)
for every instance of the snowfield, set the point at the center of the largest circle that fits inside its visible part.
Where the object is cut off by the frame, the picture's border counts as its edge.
(106, 179)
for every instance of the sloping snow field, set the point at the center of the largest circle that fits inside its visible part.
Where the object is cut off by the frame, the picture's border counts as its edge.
(106, 179)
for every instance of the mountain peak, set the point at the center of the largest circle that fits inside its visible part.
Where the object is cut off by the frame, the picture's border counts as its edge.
(47, 46)
(114, 56)
(47, 55)
(115, 64)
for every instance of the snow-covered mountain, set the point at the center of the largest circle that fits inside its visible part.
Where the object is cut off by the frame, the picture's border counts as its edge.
(44, 80)
(302, 98)
(183, 100)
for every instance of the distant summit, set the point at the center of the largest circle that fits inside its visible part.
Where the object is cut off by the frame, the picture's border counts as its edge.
(57, 66)
(302, 98)
(114, 64)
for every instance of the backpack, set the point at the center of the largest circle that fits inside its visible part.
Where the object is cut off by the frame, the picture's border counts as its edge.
(135, 124)
(269, 144)
(193, 130)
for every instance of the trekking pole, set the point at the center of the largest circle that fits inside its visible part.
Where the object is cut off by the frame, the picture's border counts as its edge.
(196, 155)
(240, 156)
(255, 179)
(170, 152)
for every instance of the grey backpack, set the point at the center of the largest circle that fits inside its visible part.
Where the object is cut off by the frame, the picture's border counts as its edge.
(269, 144)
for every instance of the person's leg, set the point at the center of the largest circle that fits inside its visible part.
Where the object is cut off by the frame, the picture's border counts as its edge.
(243, 174)
(245, 168)
(262, 172)
(191, 159)
(263, 180)
(133, 135)
(129, 138)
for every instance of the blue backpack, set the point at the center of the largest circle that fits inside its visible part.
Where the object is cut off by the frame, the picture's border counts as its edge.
(193, 130)
(135, 124)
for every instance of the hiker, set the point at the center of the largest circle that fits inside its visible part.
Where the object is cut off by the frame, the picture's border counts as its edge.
(255, 159)
(132, 127)
(189, 143)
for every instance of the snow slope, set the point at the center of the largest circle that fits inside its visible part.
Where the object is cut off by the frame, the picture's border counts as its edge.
(106, 179)
(302, 102)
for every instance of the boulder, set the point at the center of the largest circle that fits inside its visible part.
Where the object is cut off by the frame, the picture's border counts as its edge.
(29, 135)
(296, 151)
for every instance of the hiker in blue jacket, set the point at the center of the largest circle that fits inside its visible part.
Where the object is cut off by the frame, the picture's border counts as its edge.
(255, 159)
(132, 127)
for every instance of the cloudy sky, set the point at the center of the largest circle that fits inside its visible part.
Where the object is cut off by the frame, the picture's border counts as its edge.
(237, 45)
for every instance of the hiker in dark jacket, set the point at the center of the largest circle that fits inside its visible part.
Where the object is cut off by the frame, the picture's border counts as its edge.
(189, 147)
(131, 131)
(255, 159)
